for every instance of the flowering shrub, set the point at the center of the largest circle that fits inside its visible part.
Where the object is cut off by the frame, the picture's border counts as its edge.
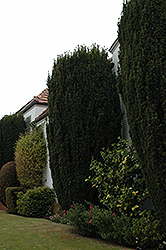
(59, 215)
(85, 220)
(8, 178)
(141, 232)
(119, 180)
(101, 223)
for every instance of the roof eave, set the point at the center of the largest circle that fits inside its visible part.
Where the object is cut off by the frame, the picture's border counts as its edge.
(114, 46)
(22, 110)
(41, 117)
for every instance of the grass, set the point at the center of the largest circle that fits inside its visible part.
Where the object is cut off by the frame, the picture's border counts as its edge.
(17, 232)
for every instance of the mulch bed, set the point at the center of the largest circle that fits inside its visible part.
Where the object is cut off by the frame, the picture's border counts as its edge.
(2, 207)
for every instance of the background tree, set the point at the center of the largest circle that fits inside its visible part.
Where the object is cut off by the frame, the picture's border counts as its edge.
(84, 116)
(10, 128)
(142, 83)
(31, 158)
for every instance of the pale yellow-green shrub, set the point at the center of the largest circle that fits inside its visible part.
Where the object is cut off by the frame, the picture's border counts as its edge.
(31, 158)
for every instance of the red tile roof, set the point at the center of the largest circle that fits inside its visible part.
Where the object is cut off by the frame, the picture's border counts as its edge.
(42, 98)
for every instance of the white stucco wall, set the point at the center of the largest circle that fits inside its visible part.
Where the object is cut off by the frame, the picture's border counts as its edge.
(34, 112)
(47, 173)
(115, 59)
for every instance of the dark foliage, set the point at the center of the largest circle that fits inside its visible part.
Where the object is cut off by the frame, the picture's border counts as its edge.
(10, 128)
(11, 199)
(142, 232)
(142, 83)
(84, 116)
(8, 178)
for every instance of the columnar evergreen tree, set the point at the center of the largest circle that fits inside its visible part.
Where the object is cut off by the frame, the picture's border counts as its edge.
(84, 117)
(10, 128)
(142, 83)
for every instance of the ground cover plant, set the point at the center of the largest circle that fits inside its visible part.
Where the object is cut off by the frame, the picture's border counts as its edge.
(24, 233)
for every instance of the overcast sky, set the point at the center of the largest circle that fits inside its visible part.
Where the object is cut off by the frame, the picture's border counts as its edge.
(34, 32)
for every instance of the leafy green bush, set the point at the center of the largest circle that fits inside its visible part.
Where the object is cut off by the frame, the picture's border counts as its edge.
(102, 223)
(146, 232)
(31, 158)
(118, 179)
(84, 219)
(115, 228)
(11, 199)
(37, 202)
(142, 232)
(8, 178)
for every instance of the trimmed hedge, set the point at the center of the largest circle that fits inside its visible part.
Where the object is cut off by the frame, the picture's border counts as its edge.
(11, 199)
(8, 178)
(37, 202)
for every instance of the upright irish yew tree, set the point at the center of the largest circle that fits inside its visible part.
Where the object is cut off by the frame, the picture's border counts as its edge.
(84, 117)
(142, 83)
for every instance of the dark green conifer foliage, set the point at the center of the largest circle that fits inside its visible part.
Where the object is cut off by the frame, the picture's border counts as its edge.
(84, 117)
(142, 83)
(10, 128)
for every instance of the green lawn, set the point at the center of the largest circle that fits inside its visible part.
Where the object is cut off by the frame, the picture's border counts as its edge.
(17, 232)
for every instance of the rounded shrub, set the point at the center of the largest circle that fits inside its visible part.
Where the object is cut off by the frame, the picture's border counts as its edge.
(37, 202)
(8, 178)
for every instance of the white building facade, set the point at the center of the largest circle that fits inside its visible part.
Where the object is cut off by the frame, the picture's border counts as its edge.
(114, 50)
(36, 111)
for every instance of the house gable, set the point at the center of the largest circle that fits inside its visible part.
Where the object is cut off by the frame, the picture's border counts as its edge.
(35, 107)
